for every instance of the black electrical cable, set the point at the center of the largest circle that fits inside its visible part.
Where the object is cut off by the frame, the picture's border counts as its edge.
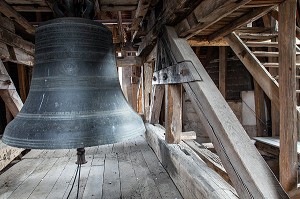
(78, 183)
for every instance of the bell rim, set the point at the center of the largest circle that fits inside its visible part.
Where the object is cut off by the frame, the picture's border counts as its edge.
(71, 144)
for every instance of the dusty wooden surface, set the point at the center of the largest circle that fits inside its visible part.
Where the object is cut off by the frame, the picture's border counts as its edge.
(193, 177)
(123, 170)
(288, 161)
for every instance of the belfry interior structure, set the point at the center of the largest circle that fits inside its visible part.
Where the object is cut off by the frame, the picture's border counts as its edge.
(149, 99)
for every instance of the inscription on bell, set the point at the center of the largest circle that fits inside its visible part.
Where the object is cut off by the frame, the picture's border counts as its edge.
(70, 69)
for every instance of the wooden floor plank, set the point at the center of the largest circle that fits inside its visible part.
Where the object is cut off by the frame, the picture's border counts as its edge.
(148, 188)
(93, 189)
(45, 186)
(84, 174)
(26, 188)
(111, 183)
(33, 154)
(105, 149)
(118, 148)
(12, 178)
(112, 172)
(166, 187)
(91, 150)
(129, 185)
(61, 184)
(59, 153)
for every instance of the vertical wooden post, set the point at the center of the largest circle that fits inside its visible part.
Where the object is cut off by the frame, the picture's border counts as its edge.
(287, 95)
(260, 110)
(156, 103)
(173, 123)
(9, 116)
(275, 116)
(22, 76)
(134, 87)
(148, 73)
(141, 93)
(222, 69)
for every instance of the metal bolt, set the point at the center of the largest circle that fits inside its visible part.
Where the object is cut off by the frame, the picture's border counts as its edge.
(165, 76)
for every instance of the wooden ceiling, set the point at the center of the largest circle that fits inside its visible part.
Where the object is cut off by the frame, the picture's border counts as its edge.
(135, 23)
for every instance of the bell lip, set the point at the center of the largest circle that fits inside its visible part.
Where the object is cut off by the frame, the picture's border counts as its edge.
(72, 20)
(47, 145)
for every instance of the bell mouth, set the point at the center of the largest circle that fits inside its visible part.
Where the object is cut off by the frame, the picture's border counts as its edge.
(68, 134)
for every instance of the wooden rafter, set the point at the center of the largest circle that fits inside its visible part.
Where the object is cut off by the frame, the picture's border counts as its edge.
(169, 15)
(14, 40)
(200, 41)
(31, 8)
(247, 18)
(140, 13)
(11, 13)
(207, 13)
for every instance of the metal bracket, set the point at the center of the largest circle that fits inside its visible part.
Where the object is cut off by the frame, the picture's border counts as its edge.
(167, 69)
(179, 73)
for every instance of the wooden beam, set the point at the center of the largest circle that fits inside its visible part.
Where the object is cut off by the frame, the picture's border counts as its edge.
(260, 113)
(193, 178)
(274, 14)
(248, 171)
(222, 70)
(148, 74)
(256, 69)
(120, 27)
(31, 8)
(211, 159)
(140, 13)
(14, 40)
(156, 103)
(199, 41)
(135, 76)
(23, 80)
(129, 61)
(172, 11)
(11, 13)
(247, 18)
(295, 193)
(188, 135)
(173, 113)
(20, 56)
(141, 94)
(10, 96)
(288, 161)
(206, 14)
(113, 8)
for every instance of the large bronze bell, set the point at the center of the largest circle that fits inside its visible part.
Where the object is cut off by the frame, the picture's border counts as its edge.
(75, 99)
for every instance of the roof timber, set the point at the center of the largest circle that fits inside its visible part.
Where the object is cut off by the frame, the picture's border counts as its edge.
(169, 15)
(206, 14)
(8, 11)
(249, 17)
(210, 20)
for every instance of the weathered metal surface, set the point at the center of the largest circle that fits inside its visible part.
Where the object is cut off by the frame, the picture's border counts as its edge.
(179, 73)
(75, 99)
(167, 69)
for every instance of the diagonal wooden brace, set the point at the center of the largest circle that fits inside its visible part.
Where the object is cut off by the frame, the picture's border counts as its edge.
(248, 171)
